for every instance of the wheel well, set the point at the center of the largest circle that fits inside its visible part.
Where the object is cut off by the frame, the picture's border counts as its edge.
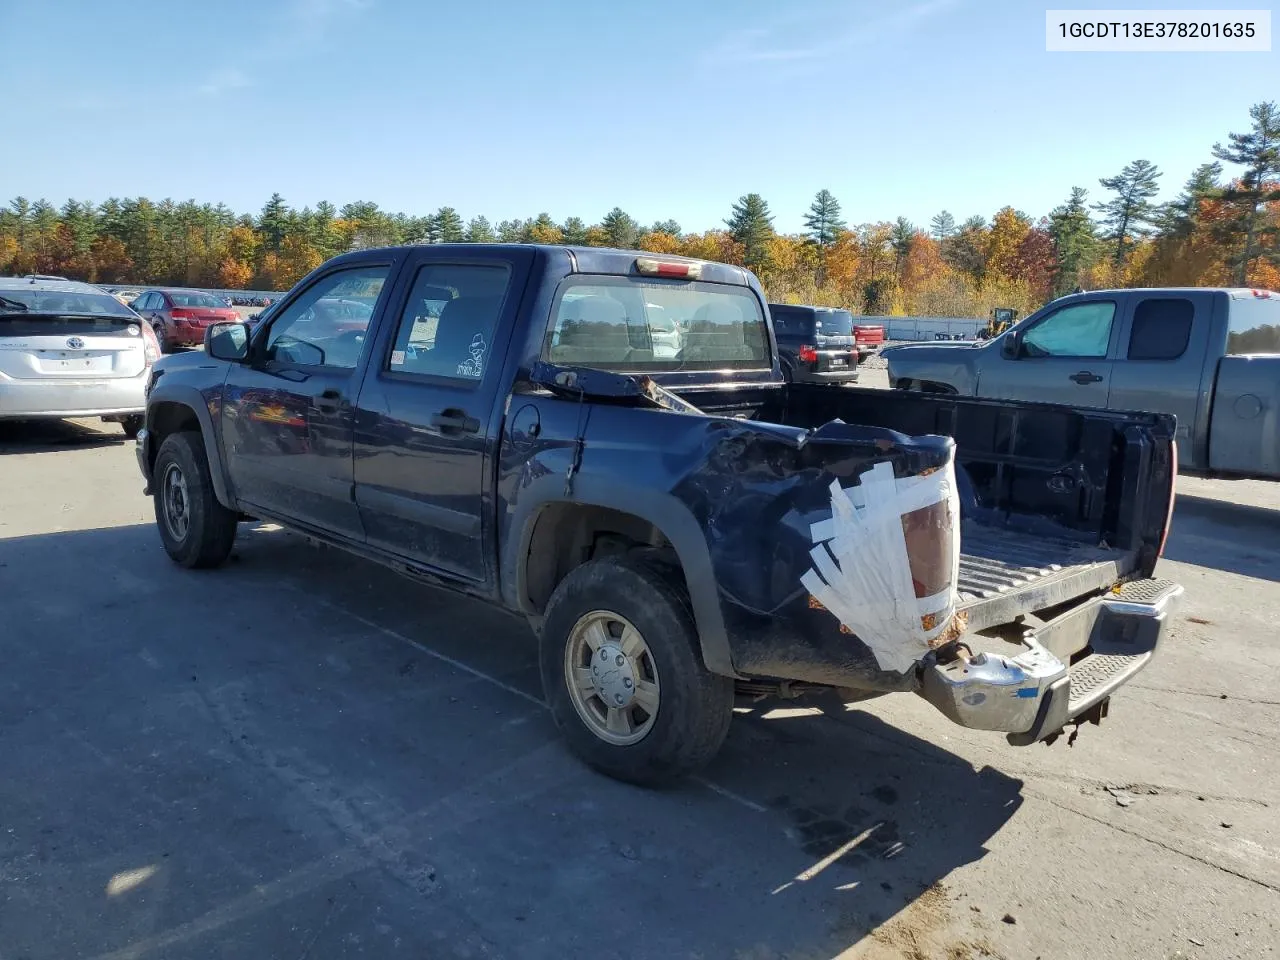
(925, 386)
(567, 535)
(167, 418)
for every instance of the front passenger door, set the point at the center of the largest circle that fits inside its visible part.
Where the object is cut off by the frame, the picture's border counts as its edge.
(288, 412)
(1064, 357)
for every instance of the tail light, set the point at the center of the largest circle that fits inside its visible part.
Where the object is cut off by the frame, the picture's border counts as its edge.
(181, 313)
(668, 268)
(150, 345)
(1173, 494)
(808, 354)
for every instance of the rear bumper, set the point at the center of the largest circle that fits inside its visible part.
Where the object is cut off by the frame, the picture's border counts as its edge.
(826, 376)
(182, 335)
(1071, 665)
(72, 398)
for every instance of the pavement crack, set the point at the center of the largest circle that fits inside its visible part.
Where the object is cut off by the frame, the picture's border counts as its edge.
(1163, 845)
(1202, 693)
(328, 918)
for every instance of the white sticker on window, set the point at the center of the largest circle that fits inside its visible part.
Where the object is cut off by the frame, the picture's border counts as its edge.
(397, 358)
(474, 367)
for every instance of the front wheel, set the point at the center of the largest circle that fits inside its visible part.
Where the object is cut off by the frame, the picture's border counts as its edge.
(197, 530)
(623, 674)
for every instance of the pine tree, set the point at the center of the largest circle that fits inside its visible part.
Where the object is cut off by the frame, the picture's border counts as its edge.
(823, 220)
(574, 231)
(479, 231)
(902, 239)
(1130, 212)
(666, 226)
(942, 225)
(1178, 217)
(1075, 241)
(965, 250)
(751, 225)
(273, 222)
(541, 229)
(620, 228)
(509, 231)
(449, 225)
(1258, 151)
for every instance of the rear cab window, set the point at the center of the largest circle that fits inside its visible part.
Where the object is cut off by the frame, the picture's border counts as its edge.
(1253, 325)
(1161, 328)
(632, 324)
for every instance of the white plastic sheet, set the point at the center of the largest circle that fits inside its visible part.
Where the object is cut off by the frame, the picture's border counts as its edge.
(862, 570)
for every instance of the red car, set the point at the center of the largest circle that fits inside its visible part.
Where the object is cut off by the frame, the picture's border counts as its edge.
(179, 317)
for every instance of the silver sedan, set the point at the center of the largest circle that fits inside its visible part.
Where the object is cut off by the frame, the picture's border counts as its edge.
(69, 349)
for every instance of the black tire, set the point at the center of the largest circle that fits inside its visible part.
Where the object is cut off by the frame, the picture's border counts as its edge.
(160, 336)
(695, 706)
(210, 528)
(131, 425)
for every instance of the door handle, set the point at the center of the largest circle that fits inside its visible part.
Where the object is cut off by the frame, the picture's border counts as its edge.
(1084, 376)
(454, 420)
(329, 401)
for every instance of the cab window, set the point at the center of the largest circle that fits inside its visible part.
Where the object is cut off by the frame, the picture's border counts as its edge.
(1080, 330)
(326, 325)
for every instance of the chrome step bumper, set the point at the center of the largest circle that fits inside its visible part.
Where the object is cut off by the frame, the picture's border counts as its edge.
(1034, 694)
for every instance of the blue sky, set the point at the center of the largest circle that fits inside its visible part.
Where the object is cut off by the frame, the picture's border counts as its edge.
(668, 108)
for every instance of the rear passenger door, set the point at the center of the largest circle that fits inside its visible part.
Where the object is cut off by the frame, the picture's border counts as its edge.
(428, 419)
(1164, 339)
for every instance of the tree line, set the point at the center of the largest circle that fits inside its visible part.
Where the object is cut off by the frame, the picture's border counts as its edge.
(1222, 229)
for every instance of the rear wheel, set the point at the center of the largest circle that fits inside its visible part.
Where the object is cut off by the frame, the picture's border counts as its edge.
(131, 425)
(624, 677)
(158, 327)
(197, 530)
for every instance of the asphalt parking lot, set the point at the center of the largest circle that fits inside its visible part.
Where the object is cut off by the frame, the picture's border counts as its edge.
(302, 755)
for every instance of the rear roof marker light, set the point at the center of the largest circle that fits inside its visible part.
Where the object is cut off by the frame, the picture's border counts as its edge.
(668, 268)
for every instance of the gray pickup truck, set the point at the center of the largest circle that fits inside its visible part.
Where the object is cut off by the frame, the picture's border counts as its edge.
(1210, 357)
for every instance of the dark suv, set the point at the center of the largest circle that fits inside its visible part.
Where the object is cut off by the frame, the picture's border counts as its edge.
(815, 344)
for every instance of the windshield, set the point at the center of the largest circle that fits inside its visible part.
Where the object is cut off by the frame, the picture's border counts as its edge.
(183, 298)
(70, 301)
(610, 323)
(833, 323)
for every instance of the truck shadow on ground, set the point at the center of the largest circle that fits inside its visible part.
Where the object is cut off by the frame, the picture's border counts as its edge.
(1233, 537)
(301, 692)
(51, 436)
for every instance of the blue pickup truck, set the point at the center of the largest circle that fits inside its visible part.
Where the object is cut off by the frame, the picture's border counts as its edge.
(677, 527)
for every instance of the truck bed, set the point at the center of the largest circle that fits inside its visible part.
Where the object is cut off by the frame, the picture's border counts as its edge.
(1006, 573)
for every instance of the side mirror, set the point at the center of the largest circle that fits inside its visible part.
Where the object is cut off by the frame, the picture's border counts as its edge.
(1011, 345)
(227, 341)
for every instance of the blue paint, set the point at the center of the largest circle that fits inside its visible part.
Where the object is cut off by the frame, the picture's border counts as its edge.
(1027, 692)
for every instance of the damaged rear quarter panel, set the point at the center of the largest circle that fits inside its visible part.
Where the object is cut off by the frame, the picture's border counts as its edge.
(736, 499)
